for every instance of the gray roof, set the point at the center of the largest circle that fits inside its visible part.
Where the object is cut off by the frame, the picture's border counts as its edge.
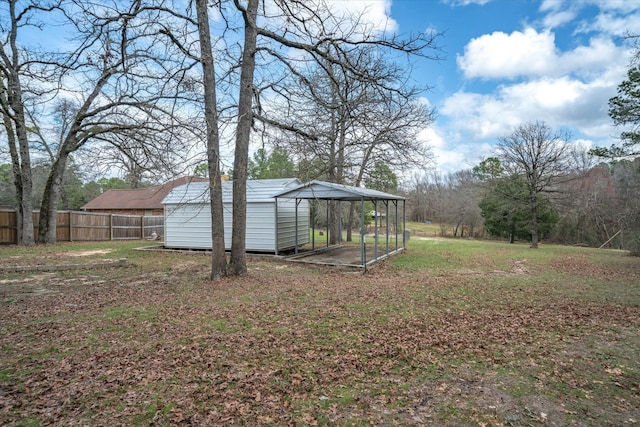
(259, 190)
(331, 191)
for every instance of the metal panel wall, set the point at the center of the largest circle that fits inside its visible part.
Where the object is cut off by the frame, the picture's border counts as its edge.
(188, 217)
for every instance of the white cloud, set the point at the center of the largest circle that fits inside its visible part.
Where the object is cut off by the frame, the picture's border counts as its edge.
(614, 24)
(561, 102)
(531, 54)
(449, 153)
(501, 55)
(558, 12)
(616, 17)
(557, 19)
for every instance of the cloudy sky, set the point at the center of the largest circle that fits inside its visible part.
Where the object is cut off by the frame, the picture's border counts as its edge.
(508, 62)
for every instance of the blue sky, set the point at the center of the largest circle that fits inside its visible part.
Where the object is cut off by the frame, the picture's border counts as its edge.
(508, 62)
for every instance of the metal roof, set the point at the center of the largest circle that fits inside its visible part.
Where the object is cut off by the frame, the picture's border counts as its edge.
(259, 190)
(330, 191)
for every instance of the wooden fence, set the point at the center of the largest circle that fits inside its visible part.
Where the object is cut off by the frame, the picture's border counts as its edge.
(86, 226)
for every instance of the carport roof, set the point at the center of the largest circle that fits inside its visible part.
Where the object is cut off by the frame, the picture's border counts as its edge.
(330, 191)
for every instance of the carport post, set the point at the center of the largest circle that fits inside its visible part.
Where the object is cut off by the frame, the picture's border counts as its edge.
(277, 227)
(327, 223)
(386, 207)
(395, 203)
(296, 236)
(363, 250)
(339, 222)
(404, 223)
(375, 228)
(314, 206)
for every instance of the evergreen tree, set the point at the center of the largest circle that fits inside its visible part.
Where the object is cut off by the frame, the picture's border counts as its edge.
(506, 212)
(624, 109)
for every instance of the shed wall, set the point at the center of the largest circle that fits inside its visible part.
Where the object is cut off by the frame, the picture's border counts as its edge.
(189, 225)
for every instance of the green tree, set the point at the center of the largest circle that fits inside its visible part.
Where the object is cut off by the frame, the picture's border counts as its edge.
(489, 168)
(276, 164)
(7, 188)
(506, 211)
(624, 109)
(382, 178)
(112, 184)
(626, 174)
(201, 170)
(542, 158)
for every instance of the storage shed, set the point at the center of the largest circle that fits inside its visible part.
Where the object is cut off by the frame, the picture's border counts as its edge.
(271, 223)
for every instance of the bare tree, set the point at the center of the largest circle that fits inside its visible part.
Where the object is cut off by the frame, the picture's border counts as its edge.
(431, 199)
(628, 187)
(218, 256)
(114, 80)
(293, 33)
(16, 67)
(541, 157)
(464, 212)
(238, 262)
(352, 121)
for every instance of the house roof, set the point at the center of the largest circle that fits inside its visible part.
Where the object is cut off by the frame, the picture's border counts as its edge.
(331, 191)
(140, 198)
(259, 190)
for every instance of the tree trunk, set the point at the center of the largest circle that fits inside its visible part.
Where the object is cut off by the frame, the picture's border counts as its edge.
(19, 149)
(26, 203)
(534, 221)
(351, 221)
(334, 222)
(17, 179)
(218, 255)
(47, 224)
(245, 119)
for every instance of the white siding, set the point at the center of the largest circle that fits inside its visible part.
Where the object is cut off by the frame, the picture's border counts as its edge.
(187, 226)
(188, 217)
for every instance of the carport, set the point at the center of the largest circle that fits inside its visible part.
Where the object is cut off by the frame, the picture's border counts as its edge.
(382, 246)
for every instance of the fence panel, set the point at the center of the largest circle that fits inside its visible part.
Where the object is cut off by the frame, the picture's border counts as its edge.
(89, 226)
(127, 227)
(8, 226)
(153, 223)
(86, 226)
(63, 226)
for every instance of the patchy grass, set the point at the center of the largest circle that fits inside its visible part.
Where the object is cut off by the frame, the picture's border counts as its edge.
(423, 229)
(452, 332)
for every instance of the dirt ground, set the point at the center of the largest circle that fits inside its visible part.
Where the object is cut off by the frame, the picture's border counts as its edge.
(156, 343)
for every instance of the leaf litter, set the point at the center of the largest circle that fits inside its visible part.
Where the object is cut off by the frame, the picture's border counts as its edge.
(300, 345)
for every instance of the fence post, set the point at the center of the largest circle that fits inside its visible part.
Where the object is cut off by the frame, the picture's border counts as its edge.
(110, 226)
(70, 226)
(141, 227)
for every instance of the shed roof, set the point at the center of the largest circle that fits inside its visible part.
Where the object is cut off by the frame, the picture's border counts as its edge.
(259, 190)
(139, 198)
(331, 191)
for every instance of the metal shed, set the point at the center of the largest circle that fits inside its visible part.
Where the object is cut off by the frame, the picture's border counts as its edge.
(272, 225)
(320, 190)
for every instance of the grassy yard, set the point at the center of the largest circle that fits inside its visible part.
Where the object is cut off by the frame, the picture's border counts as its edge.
(452, 332)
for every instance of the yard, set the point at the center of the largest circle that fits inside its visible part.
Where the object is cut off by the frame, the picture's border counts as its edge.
(451, 332)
